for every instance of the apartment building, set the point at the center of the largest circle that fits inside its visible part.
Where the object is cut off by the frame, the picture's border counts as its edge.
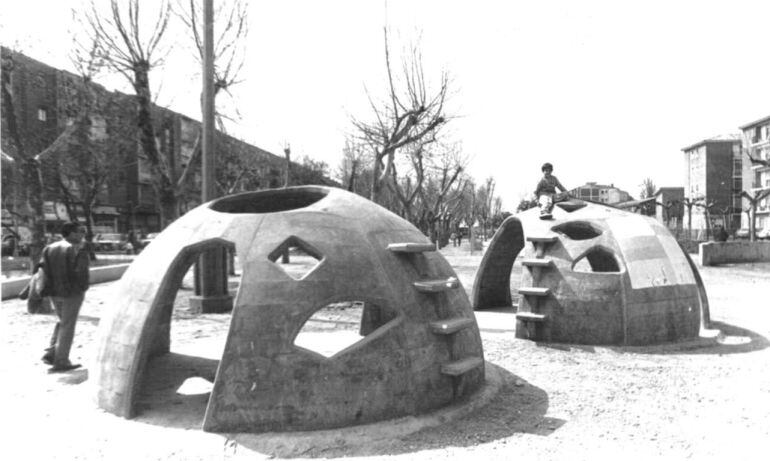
(755, 176)
(713, 175)
(44, 106)
(669, 208)
(600, 193)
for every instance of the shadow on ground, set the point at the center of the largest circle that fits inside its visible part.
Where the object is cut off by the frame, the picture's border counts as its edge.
(518, 407)
(727, 339)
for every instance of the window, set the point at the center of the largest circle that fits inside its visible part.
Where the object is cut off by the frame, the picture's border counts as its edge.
(98, 128)
(42, 114)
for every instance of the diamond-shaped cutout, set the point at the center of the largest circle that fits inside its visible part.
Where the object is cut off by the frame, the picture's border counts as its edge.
(296, 257)
(341, 325)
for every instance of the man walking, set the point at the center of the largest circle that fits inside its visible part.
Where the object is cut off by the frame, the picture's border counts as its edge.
(66, 265)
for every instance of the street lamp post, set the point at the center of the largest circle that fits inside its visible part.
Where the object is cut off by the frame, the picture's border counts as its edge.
(211, 293)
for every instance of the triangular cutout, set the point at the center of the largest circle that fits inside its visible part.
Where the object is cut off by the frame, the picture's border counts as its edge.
(597, 260)
(339, 326)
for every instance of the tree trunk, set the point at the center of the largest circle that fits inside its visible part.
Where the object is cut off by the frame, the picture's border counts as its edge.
(34, 199)
(162, 181)
(32, 182)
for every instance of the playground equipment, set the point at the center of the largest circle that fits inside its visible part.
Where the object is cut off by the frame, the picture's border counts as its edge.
(593, 275)
(420, 348)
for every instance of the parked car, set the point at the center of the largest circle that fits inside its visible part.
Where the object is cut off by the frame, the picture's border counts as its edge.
(109, 242)
(763, 234)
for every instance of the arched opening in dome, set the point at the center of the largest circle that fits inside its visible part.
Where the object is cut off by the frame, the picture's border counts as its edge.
(597, 259)
(270, 201)
(578, 230)
(178, 375)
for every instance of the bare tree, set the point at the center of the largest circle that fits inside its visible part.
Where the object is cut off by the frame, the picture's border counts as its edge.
(707, 206)
(231, 28)
(757, 160)
(287, 165)
(94, 153)
(486, 199)
(689, 203)
(754, 199)
(436, 186)
(133, 52)
(27, 155)
(648, 190)
(30, 211)
(353, 174)
(407, 188)
(411, 114)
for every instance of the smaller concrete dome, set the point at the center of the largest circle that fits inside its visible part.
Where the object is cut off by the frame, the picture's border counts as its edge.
(593, 275)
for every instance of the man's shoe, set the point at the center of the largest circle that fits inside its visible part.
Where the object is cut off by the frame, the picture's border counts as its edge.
(47, 359)
(63, 368)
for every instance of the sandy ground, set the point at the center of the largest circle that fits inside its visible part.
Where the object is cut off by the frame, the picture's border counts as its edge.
(704, 399)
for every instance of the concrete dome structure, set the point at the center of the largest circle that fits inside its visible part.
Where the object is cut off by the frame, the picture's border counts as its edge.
(420, 349)
(593, 275)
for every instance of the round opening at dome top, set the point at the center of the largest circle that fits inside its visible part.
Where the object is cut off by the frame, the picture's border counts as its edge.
(269, 201)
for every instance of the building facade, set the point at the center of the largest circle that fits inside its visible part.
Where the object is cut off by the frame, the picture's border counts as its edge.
(756, 177)
(713, 177)
(669, 206)
(47, 100)
(600, 193)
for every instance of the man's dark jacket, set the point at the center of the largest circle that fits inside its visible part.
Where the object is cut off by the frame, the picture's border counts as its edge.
(66, 267)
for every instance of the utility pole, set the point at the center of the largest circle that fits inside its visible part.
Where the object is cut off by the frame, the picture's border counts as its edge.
(211, 293)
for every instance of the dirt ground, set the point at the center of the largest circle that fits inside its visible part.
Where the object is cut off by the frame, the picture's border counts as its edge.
(703, 399)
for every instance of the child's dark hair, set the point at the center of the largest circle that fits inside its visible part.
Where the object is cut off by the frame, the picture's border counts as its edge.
(546, 166)
(69, 227)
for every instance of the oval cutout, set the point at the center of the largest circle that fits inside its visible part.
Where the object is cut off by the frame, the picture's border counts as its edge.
(578, 230)
(270, 201)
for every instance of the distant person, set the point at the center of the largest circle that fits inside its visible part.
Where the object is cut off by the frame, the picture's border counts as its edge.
(546, 191)
(453, 238)
(720, 234)
(66, 266)
(133, 245)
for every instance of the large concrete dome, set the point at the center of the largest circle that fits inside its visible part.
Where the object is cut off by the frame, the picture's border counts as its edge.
(593, 275)
(420, 347)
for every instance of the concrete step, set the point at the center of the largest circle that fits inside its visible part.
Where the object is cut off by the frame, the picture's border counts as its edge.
(437, 286)
(537, 262)
(534, 291)
(411, 247)
(460, 367)
(542, 238)
(450, 326)
(531, 317)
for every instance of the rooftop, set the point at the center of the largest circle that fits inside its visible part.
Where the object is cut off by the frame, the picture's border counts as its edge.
(722, 138)
(756, 122)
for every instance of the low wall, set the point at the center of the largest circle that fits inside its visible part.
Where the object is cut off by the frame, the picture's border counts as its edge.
(12, 287)
(712, 253)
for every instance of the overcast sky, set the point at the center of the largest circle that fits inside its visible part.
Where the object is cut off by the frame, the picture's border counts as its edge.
(607, 91)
